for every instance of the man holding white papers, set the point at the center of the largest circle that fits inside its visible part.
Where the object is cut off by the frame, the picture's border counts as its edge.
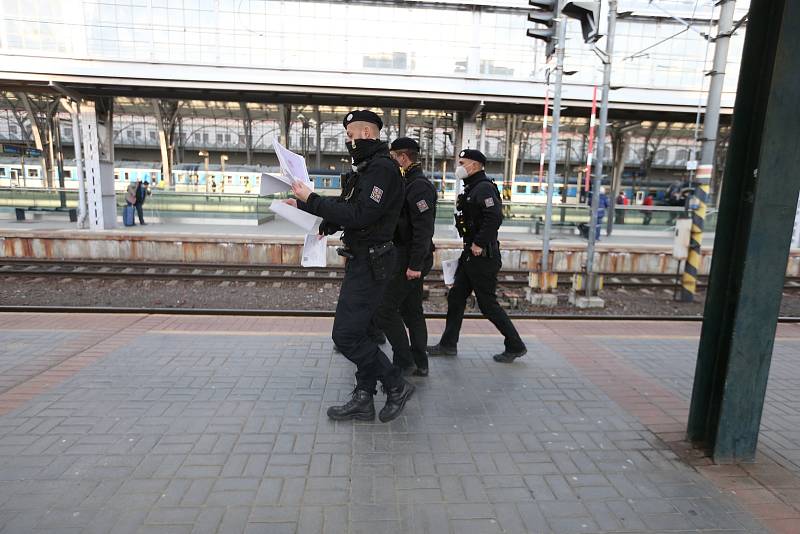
(367, 213)
(402, 302)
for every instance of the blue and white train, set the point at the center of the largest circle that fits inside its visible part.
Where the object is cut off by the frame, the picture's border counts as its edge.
(246, 180)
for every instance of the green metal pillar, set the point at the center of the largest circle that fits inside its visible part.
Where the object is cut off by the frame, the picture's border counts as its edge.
(752, 238)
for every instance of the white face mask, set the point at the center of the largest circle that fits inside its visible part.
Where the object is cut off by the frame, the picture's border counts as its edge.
(461, 172)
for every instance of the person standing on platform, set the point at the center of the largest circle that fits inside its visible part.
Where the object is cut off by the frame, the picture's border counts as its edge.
(142, 192)
(367, 214)
(413, 238)
(619, 214)
(480, 214)
(130, 193)
(602, 206)
(648, 213)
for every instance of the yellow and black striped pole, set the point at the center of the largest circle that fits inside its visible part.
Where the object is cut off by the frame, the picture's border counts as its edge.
(692, 266)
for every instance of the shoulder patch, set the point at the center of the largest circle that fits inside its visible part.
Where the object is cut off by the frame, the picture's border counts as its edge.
(489, 202)
(376, 194)
(422, 206)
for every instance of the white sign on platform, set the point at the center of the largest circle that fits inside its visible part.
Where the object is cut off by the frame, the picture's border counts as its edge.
(683, 234)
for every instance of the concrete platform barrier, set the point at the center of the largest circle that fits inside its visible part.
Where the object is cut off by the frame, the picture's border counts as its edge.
(286, 250)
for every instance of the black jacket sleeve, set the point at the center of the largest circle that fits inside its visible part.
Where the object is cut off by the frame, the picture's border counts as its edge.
(488, 204)
(378, 183)
(421, 206)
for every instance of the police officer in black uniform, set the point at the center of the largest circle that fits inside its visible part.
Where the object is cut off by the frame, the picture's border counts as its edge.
(413, 238)
(367, 213)
(480, 213)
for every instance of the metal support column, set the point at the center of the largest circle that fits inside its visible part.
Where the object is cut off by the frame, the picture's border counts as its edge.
(600, 151)
(101, 200)
(482, 136)
(318, 151)
(286, 124)
(401, 123)
(58, 153)
(710, 130)
(751, 247)
(247, 122)
(551, 164)
(36, 131)
(717, 75)
(166, 116)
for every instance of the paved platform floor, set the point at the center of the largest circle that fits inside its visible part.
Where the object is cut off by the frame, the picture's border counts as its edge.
(171, 424)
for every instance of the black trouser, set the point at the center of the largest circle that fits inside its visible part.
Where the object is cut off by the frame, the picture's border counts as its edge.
(359, 298)
(139, 212)
(401, 308)
(478, 274)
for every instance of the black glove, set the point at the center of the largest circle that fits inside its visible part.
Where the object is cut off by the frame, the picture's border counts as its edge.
(328, 228)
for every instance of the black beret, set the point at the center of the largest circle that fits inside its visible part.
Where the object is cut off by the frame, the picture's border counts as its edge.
(362, 115)
(474, 155)
(405, 143)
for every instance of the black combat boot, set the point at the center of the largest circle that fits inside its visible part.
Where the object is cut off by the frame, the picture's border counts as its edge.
(360, 407)
(442, 350)
(508, 356)
(396, 398)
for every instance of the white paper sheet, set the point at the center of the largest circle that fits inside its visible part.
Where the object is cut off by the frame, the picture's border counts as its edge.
(273, 183)
(309, 223)
(315, 251)
(293, 166)
(449, 270)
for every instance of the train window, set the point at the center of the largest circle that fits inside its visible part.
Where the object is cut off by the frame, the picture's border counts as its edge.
(116, 176)
(33, 173)
(197, 138)
(2, 171)
(219, 139)
(326, 182)
(229, 179)
(67, 174)
(152, 136)
(130, 135)
(127, 177)
(522, 189)
(535, 189)
(449, 187)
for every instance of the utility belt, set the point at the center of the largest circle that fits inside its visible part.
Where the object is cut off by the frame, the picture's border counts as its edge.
(381, 261)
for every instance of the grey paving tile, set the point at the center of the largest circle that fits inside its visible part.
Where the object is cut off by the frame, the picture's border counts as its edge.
(227, 434)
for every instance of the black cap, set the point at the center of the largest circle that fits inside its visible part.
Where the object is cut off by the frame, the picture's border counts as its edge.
(405, 143)
(474, 155)
(362, 115)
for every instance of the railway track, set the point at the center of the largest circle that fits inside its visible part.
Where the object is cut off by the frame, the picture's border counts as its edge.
(249, 273)
(330, 314)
